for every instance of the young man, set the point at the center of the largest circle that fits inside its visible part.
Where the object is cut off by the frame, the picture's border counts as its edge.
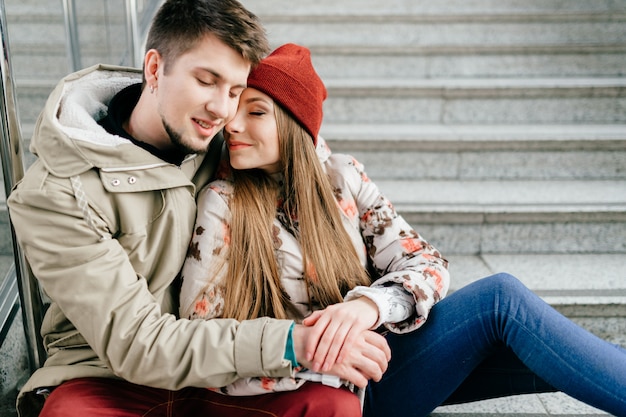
(104, 217)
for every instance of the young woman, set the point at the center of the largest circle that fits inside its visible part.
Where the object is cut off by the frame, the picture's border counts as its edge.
(294, 232)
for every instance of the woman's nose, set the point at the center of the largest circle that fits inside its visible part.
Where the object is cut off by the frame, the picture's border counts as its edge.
(234, 126)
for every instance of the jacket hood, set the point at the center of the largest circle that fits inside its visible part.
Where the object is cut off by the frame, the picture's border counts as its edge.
(67, 137)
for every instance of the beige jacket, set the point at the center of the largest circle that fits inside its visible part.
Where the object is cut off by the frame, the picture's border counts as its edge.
(107, 258)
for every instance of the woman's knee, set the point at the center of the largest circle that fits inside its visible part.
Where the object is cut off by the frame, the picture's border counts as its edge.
(499, 289)
(503, 282)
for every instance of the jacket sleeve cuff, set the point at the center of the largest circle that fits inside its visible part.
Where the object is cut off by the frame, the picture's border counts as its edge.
(394, 304)
(260, 348)
(290, 353)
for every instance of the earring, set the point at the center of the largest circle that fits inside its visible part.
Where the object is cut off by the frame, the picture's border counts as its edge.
(151, 89)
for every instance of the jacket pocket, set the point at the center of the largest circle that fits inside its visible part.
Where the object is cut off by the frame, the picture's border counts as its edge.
(63, 341)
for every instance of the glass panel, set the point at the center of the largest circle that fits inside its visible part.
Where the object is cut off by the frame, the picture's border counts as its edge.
(12, 169)
(109, 31)
(8, 281)
(14, 349)
(102, 32)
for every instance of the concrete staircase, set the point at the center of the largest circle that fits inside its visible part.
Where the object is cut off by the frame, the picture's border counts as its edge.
(498, 129)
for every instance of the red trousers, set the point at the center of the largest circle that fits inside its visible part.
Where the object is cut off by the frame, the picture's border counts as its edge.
(99, 397)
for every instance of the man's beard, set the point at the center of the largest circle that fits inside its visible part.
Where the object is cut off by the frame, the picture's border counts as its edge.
(179, 143)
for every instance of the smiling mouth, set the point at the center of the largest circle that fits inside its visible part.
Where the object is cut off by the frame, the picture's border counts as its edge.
(237, 145)
(203, 124)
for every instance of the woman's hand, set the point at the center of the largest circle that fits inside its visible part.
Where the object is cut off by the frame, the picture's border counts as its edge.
(336, 330)
(367, 360)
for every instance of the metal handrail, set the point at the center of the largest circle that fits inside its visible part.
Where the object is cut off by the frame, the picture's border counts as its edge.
(71, 33)
(13, 171)
(132, 28)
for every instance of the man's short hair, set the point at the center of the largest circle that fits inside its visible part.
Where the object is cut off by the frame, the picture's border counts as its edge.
(180, 24)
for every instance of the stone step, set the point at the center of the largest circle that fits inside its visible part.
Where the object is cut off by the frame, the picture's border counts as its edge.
(477, 101)
(440, 137)
(562, 280)
(469, 62)
(475, 217)
(540, 405)
(439, 8)
(416, 151)
(447, 30)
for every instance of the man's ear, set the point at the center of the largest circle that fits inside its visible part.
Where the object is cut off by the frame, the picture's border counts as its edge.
(152, 64)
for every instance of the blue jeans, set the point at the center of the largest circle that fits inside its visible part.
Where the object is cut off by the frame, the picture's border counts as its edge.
(494, 338)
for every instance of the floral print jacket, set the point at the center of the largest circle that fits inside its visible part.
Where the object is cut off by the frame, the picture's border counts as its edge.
(386, 243)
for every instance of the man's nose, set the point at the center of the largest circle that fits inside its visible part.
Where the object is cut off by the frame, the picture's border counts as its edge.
(219, 105)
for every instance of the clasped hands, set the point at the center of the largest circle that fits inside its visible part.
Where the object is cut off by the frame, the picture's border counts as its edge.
(338, 341)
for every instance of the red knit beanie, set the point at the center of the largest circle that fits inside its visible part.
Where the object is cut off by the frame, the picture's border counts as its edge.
(288, 77)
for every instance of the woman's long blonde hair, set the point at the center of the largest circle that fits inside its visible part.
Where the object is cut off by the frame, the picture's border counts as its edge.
(253, 283)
